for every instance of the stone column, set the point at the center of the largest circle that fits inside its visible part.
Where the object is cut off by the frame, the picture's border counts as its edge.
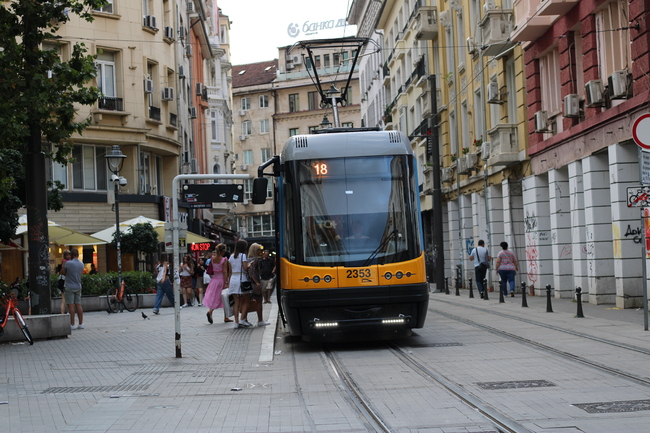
(578, 231)
(561, 246)
(496, 211)
(538, 238)
(598, 224)
(627, 226)
(513, 224)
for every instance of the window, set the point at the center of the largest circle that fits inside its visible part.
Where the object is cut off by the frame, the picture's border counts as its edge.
(337, 59)
(266, 154)
(347, 124)
(145, 170)
(214, 125)
(317, 61)
(248, 157)
(313, 128)
(613, 50)
(264, 126)
(57, 172)
(326, 60)
(461, 47)
(248, 189)
(246, 103)
(105, 65)
(269, 190)
(294, 103)
(260, 225)
(549, 71)
(312, 100)
(107, 8)
(348, 94)
(246, 127)
(90, 170)
(294, 131)
(264, 101)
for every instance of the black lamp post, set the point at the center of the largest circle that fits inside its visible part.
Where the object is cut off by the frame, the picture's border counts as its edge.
(115, 159)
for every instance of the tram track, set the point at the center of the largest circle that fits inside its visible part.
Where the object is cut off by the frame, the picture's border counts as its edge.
(545, 347)
(501, 422)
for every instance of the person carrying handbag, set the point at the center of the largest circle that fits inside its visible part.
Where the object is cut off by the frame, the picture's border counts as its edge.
(220, 271)
(481, 258)
(255, 299)
(238, 284)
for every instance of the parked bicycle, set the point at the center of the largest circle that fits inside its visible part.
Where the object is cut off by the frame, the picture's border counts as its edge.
(121, 297)
(10, 302)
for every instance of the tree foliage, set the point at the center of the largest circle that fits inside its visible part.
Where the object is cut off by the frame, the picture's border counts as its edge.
(139, 237)
(39, 90)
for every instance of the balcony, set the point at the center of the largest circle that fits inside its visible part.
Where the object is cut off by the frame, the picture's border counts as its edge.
(428, 180)
(110, 103)
(556, 7)
(530, 24)
(496, 27)
(154, 113)
(504, 147)
(446, 174)
(425, 24)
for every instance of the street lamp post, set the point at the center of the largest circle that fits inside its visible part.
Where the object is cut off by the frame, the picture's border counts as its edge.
(115, 159)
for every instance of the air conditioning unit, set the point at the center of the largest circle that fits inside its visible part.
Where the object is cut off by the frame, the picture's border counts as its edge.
(494, 97)
(199, 89)
(617, 85)
(181, 32)
(194, 166)
(181, 71)
(471, 46)
(168, 32)
(541, 121)
(594, 93)
(190, 7)
(296, 60)
(192, 112)
(148, 86)
(243, 167)
(572, 106)
(446, 174)
(242, 112)
(488, 6)
(188, 51)
(243, 137)
(290, 64)
(168, 94)
(485, 150)
(150, 21)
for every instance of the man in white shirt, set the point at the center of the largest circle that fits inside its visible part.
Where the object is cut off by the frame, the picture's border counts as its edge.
(481, 258)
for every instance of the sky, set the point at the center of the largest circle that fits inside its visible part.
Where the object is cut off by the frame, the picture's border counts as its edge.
(259, 27)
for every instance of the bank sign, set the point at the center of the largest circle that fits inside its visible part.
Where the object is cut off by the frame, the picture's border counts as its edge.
(309, 28)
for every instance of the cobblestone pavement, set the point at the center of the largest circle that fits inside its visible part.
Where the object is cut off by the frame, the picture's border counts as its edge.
(121, 374)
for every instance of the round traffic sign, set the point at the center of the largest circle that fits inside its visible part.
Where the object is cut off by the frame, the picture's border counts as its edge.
(641, 131)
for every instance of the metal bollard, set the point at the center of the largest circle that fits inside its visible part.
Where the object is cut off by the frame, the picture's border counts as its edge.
(471, 291)
(549, 308)
(446, 284)
(502, 285)
(457, 290)
(524, 304)
(447, 289)
(579, 298)
(485, 290)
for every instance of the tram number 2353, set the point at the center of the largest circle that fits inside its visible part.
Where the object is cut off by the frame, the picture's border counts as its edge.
(358, 273)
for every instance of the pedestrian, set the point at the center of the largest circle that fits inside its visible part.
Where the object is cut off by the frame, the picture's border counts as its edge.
(507, 266)
(481, 258)
(199, 272)
(61, 281)
(238, 287)
(186, 269)
(93, 269)
(255, 299)
(267, 272)
(163, 283)
(219, 271)
(72, 269)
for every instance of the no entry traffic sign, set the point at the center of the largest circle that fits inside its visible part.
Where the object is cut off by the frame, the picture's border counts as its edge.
(641, 131)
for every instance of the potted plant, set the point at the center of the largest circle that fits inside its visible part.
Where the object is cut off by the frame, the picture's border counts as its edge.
(453, 157)
(478, 142)
(465, 150)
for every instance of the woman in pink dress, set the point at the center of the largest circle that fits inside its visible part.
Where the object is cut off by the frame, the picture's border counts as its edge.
(219, 270)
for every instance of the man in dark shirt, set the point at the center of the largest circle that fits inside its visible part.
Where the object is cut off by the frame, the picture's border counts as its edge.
(267, 269)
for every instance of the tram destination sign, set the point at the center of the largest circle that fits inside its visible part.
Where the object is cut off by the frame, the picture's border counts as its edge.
(638, 196)
(196, 195)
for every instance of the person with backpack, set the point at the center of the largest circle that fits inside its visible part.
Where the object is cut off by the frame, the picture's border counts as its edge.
(481, 258)
(164, 283)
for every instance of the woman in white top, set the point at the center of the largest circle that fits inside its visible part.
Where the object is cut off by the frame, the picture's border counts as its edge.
(186, 270)
(239, 268)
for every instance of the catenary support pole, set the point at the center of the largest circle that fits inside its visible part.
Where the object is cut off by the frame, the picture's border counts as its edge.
(176, 248)
(644, 267)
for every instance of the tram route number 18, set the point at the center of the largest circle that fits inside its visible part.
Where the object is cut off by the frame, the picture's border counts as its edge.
(320, 168)
(358, 273)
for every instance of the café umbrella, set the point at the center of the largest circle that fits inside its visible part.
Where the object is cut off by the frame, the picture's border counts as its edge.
(61, 235)
(159, 227)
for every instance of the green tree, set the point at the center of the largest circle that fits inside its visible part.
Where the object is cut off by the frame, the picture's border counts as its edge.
(40, 95)
(138, 238)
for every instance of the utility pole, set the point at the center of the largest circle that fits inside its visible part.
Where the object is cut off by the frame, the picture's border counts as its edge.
(433, 149)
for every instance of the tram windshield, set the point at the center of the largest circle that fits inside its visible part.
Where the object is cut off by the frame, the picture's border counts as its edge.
(357, 211)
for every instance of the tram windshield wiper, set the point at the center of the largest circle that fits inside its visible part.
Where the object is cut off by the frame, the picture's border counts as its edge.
(384, 242)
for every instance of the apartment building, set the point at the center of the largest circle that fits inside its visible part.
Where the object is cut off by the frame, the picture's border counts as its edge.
(150, 108)
(586, 67)
(273, 101)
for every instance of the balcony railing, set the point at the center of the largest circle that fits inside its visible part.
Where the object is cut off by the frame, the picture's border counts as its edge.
(154, 113)
(110, 103)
